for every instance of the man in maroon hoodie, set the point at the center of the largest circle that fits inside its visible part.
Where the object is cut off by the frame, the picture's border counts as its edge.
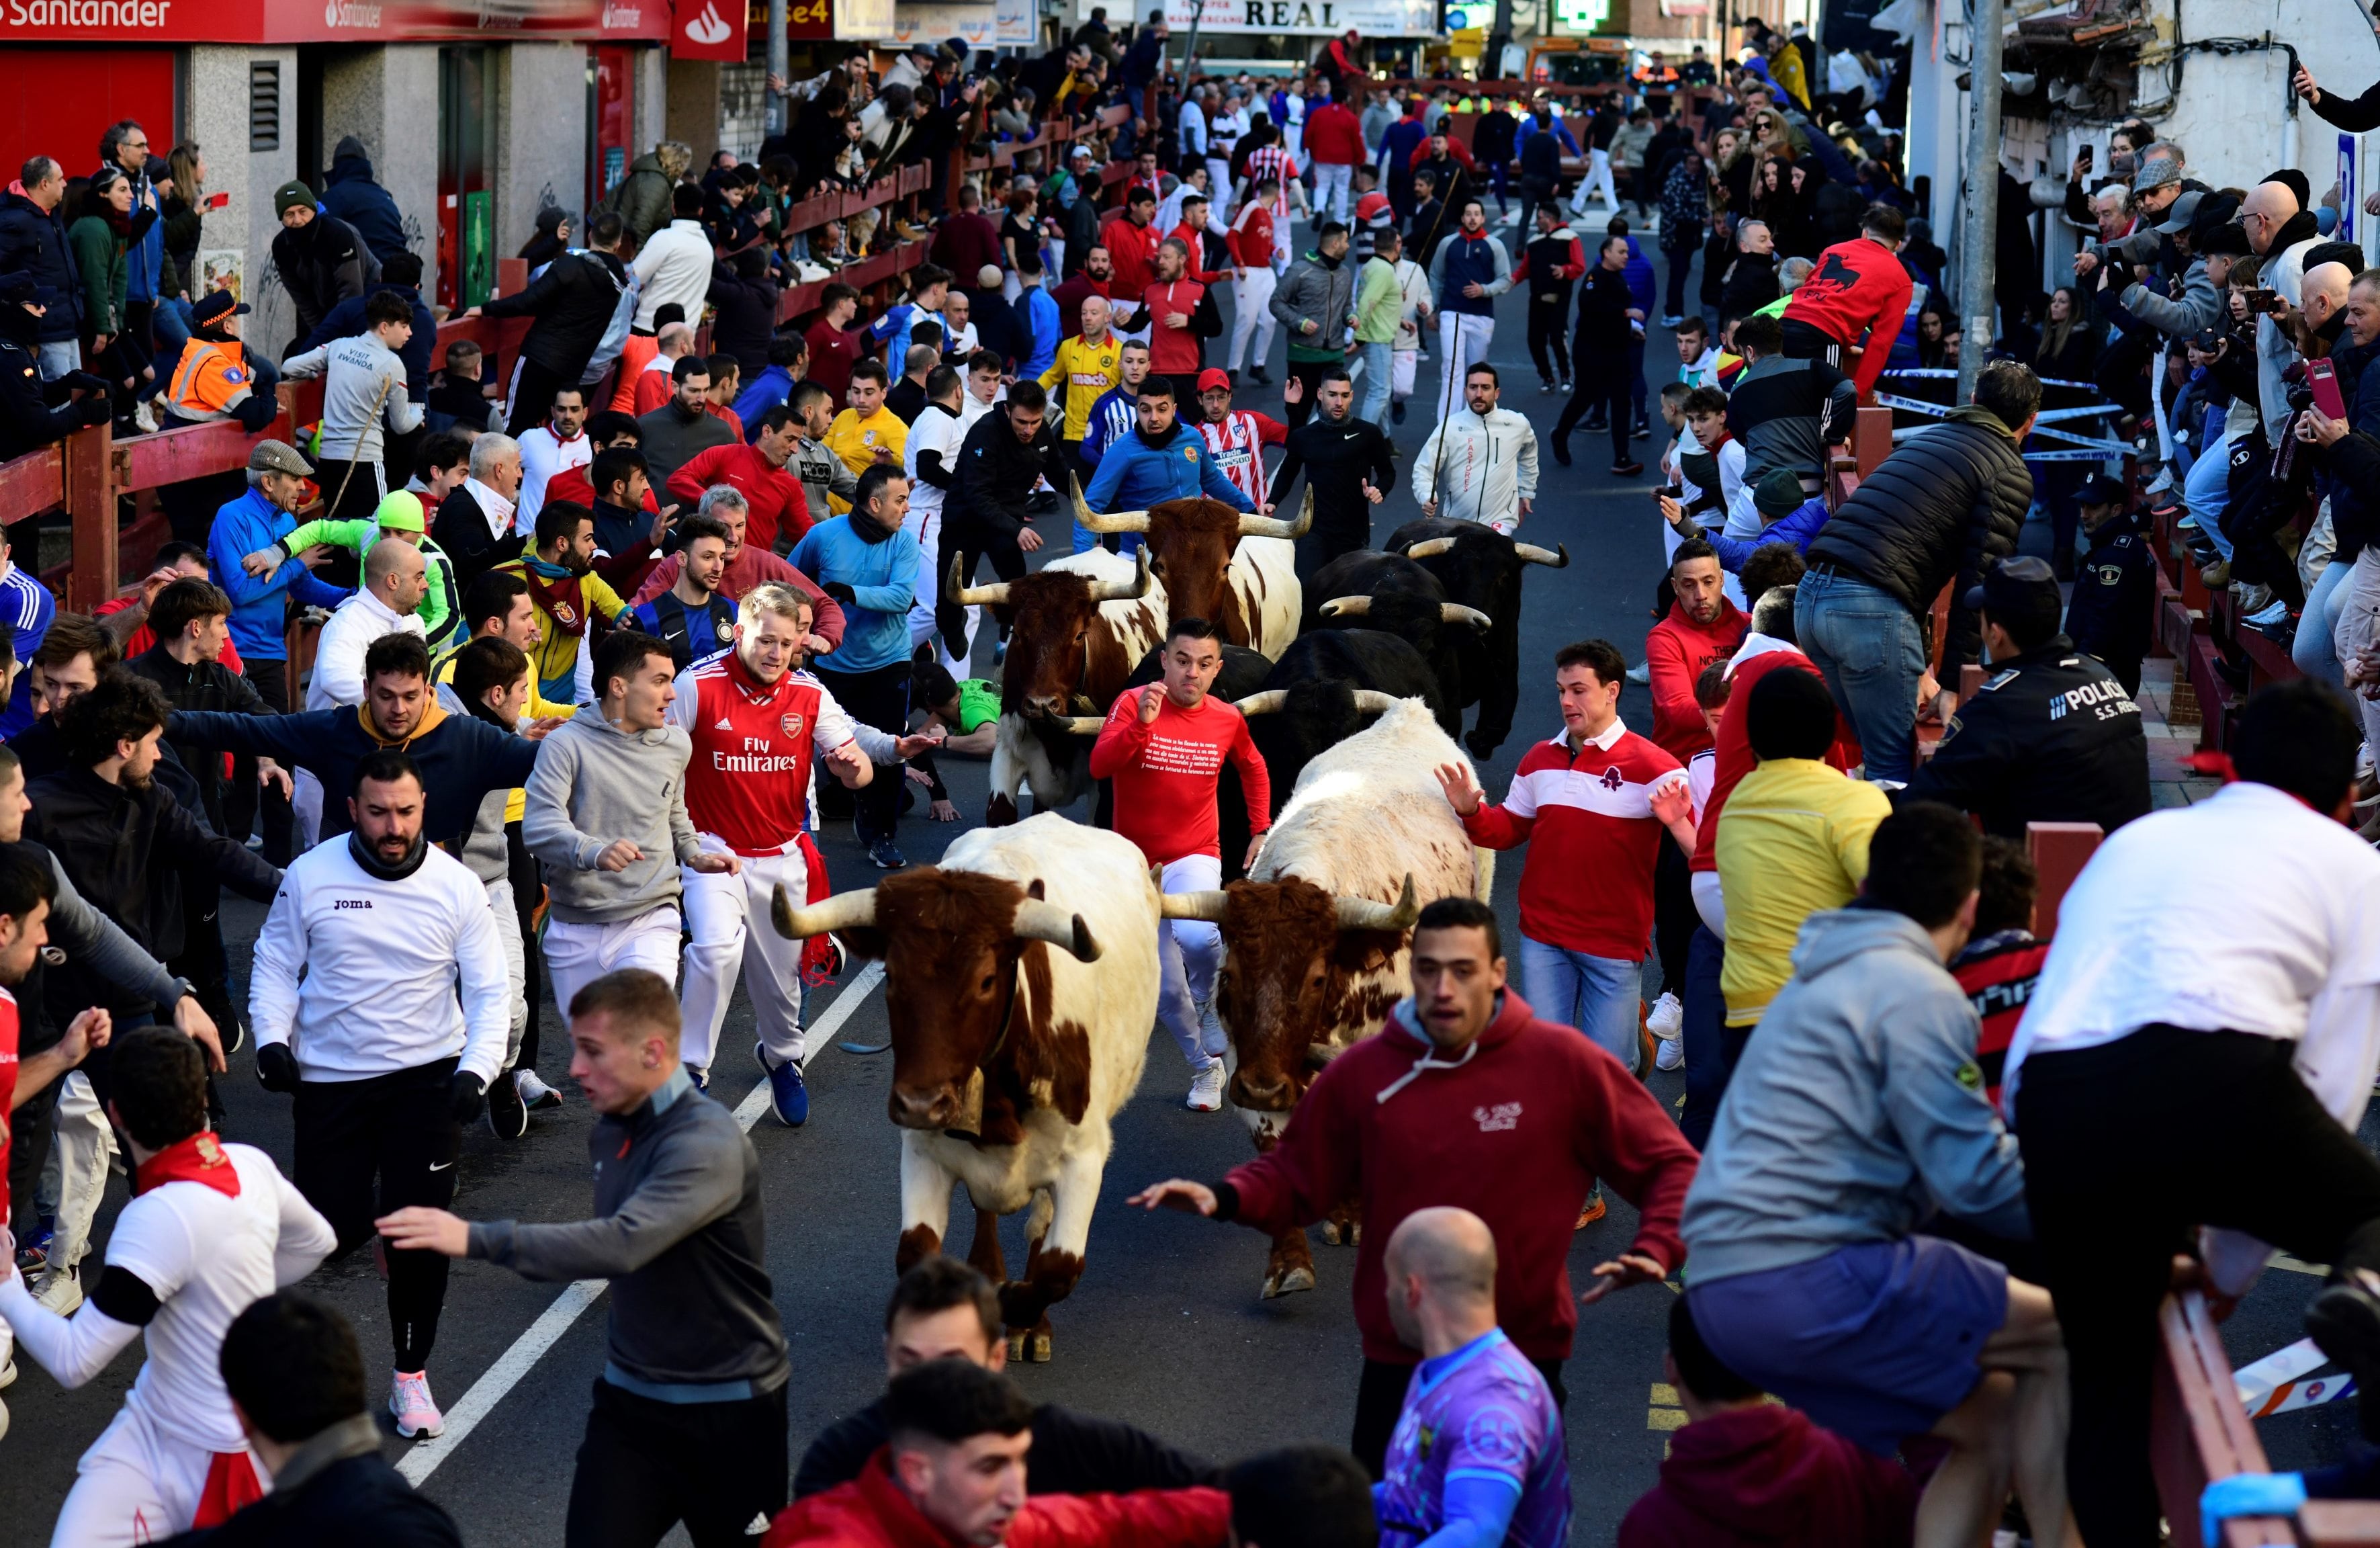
(1749, 1473)
(1465, 1098)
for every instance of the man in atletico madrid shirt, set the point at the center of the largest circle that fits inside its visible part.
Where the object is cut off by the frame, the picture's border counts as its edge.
(1236, 437)
(1860, 288)
(756, 717)
(1164, 747)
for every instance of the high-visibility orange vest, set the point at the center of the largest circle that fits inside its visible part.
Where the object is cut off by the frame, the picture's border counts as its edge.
(209, 381)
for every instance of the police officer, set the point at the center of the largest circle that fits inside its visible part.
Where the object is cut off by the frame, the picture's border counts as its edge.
(2115, 591)
(29, 418)
(2052, 737)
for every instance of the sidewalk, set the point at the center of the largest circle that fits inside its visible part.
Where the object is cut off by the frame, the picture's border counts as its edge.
(2172, 782)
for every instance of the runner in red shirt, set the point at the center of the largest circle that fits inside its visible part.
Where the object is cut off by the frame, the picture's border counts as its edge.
(1236, 437)
(757, 718)
(1164, 748)
(1179, 318)
(1859, 290)
(1131, 241)
(760, 472)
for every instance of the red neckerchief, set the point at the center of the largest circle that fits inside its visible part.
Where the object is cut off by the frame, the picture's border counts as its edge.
(199, 1159)
(2219, 765)
(564, 602)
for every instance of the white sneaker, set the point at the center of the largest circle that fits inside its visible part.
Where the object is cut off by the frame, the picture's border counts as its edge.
(1641, 674)
(1207, 1088)
(9, 1373)
(417, 1412)
(535, 1094)
(1668, 1052)
(61, 1292)
(1666, 1017)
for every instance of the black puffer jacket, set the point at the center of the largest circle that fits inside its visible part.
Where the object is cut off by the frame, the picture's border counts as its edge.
(572, 301)
(1946, 506)
(33, 240)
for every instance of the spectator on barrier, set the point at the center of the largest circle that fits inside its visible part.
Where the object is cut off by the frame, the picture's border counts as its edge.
(1748, 1470)
(2052, 737)
(35, 412)
(1808, 1280)
(352, 194)
(33, 242)
(1945, 507)
(942, 1309)
(320, 258)
(1859, 290)
(1787, 411)
(571, 306)
(952, 1468)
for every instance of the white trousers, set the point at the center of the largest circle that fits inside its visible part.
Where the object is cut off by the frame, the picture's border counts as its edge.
(74, 1177)
(927, 527)
(1188, 952)
(1219, 183)
(2358, 623)
(729, 917)
(576, 954)
(1252, 314)
(1403, 364)
(135, 1484)
(508, 937)
(1331, 182)
(1463, 341)
(1598, 178)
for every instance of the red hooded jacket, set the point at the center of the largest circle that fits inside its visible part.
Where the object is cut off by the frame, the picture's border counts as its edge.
(1675, 654)
(1766, 1477)
(1516, 1133)
(1334, 134)
(871, 1511)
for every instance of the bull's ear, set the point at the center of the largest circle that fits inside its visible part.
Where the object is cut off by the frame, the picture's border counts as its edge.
(1033, 888)
(863, 941)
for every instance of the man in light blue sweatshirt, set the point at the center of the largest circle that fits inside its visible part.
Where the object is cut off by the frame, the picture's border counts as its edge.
(1857, 1114)
(865, 562)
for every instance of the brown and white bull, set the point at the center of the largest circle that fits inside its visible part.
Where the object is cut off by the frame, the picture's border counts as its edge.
(1316, 939)
(1018, 1031)
(1077, 628)
(1237, 572)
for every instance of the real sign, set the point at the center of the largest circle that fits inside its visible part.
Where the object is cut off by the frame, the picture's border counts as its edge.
(1374, 18)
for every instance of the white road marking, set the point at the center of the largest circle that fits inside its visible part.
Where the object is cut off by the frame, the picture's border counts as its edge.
(517, 1362)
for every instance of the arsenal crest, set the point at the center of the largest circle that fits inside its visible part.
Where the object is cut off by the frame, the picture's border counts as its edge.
(792, 723)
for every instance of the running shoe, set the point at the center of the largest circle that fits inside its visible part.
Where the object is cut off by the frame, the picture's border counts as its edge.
(699, 1075)
(233, 1033)
(2343, 1320)
(1665, 1017)
(886, 855)
(33, 1251)
(8, 1373)
(1627, 469)
(1641, 674)
(507, 1115)
(1593, 1211)
(417, 1412)
(1207, 1088)
(788, 1097)
(535, 1094)
(61, 1291)
(1669, 1054)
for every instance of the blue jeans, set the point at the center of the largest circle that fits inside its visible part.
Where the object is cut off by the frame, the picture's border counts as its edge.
(1377, 369)
(1868, 647)
(2208, 490)
(2313, 650)
(1704, 1033)
(57, 359)
(1086, 540)
(1602, 996)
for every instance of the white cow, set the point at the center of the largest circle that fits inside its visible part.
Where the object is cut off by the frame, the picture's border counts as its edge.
(1017, 1033)
(1316, 940)
(1238, 572)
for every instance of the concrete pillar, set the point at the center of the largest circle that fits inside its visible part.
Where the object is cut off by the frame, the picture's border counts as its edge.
(218, 119)
(540, 157)
(388, 98)
(652, 100)
(693, 113)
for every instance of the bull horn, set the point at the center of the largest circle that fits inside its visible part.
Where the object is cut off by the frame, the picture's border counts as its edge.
(1083, 725)
(844, 911)
(1363, 913)
(1273, 526)
(1207, 906)
(965, 595)
(1037, 920)
(1105, 592)
(1430, 548)
(1557, 557)
(1114, 521)
(1347, 607)
(1271, 700)
(1455, 613)
(1372, 701)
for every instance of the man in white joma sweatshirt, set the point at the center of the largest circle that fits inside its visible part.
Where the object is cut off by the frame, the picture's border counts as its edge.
(385, 1065)
(1480, 464)
(364, 383)
(605, 811)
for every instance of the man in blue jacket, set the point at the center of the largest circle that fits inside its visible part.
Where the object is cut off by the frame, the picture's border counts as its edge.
(257, 520)
(864, 560)
(1161, 459)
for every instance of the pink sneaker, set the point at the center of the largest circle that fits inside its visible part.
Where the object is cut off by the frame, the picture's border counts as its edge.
(417, 1413)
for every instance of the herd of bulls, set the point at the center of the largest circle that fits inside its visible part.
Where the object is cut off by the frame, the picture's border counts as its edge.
(1022, 973)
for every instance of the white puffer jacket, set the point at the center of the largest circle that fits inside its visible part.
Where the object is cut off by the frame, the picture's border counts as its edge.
(1485, 468)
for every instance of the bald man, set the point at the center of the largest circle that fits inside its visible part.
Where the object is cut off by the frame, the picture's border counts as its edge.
(1479, 1447)
(2323, 299)
(2281, 230)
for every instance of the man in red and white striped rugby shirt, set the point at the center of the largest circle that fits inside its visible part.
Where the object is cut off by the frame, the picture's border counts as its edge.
(1236, 437)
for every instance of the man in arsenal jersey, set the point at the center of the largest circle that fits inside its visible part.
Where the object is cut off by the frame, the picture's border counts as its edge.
(1236, 437)
(211, 1228)
(756, 717)
(1164, 747)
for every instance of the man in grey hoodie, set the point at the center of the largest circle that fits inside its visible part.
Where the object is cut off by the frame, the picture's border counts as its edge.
(605, 811)
(1856, 1114)
(688, 1422)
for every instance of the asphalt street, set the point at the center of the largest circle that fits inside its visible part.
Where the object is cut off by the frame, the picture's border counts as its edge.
(1166, 1329)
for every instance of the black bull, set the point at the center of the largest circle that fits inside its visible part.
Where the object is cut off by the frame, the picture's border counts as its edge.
(1480, 568)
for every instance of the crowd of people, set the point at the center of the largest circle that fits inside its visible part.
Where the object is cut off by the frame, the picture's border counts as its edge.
(594, 622)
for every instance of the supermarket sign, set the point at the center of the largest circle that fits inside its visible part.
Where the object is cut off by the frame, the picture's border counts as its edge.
(1374, 18)
(299, 21)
